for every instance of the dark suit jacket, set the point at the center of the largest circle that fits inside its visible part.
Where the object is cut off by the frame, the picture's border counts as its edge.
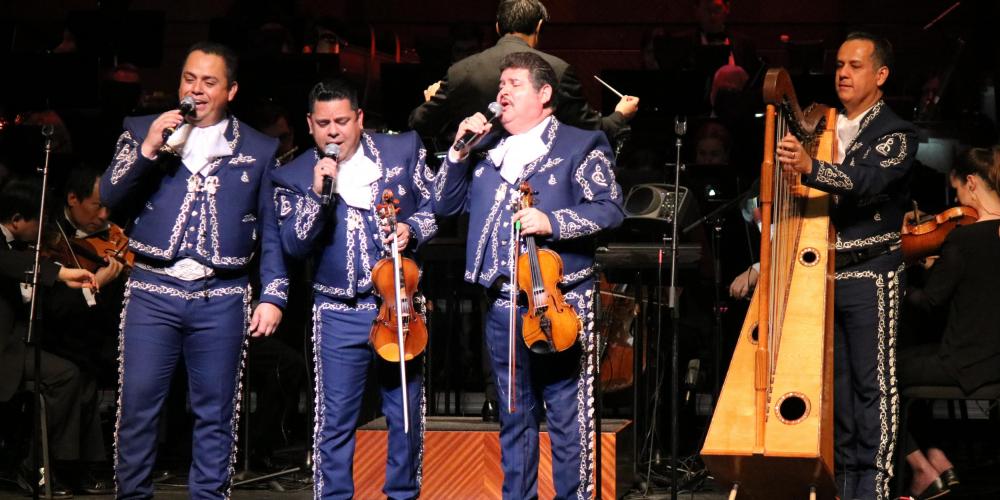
(472, 83)
(962, 285)
(14, 313)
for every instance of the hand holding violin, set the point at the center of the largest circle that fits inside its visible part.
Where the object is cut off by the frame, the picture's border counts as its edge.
(109, 272)
(533, 222)
(402, 235)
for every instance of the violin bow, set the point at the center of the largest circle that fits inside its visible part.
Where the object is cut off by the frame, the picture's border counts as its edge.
(515, 239)
(397, 268)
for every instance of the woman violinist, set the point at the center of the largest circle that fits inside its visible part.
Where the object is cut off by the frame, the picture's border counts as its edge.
(961, 284)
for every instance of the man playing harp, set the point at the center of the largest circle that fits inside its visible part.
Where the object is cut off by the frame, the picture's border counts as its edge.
(868, 181)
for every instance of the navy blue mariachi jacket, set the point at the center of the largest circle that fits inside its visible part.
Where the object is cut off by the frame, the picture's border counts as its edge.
(576, 189)
(347, 240)
(215, 219)
(871, 185)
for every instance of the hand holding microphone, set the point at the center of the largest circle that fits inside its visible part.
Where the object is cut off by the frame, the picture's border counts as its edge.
(186, 107)
(473, 128)
(164, 126)
(325, 171)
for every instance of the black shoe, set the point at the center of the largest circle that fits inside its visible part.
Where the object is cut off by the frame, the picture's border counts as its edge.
(268, 463)
(161, 475)
(949, 478)
(59, 490)
(96, 486)
(934, 490)
(491, 411)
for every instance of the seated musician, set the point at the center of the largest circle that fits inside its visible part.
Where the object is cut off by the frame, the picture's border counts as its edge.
(578, 196)
(962, 284)
(60, 378)
(82, 326)
(868, 179)
(80, 322)
(346, 240)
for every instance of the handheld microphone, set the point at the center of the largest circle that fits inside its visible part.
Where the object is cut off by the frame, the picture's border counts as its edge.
(470, 136)
(330, 151)
(187, 107)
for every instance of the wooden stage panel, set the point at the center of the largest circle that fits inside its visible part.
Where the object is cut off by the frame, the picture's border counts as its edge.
(462, 460)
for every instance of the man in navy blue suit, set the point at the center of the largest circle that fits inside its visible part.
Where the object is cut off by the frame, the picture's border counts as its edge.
(577, 197)
(346, 239)
(201, 211)
(869, 179)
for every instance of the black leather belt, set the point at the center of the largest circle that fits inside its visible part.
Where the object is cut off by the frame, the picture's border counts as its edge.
(846, 258)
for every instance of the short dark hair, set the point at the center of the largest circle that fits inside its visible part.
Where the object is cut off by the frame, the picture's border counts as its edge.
(20, 196)
(520, 16)
(540, 70)
(984, 162)
(332, 90)
(227, 54)
(80, 182)
(883, 49)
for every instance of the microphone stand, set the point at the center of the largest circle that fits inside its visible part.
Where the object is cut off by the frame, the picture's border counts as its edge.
(680, 128)
(41, 431)
(715, 218)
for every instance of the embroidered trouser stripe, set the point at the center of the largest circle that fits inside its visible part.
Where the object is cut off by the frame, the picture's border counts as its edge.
(565, 385)
(343, 356)
(865, 395)
(165, 319)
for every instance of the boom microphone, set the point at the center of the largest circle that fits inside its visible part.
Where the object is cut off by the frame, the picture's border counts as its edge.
(470, 136)
(330, 151)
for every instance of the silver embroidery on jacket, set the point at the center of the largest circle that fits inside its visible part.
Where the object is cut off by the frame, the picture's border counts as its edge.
(573, 225)
(128, 153)
(867, 242)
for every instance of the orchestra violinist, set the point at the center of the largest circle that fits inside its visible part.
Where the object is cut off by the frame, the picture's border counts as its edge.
(961, 286)
(347, 240)
(82, 326)
(74, 437)
(578, 197)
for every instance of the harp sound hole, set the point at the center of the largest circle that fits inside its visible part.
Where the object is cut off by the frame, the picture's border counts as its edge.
(809, 257)
(753, 334)
(793, 408)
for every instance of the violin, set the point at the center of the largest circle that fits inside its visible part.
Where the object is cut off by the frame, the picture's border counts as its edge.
(89, 252)
(550, 324)
(399, 333)
(923, 236)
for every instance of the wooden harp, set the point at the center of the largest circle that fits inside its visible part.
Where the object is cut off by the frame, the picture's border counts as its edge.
(772, 431)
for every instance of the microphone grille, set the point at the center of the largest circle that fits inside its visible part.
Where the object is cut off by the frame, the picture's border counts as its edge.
(187, 105)
(495, 108)
(331, 150)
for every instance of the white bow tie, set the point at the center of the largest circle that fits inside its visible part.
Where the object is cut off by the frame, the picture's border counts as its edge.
(355, 178)
(514, 152)
(199, 146)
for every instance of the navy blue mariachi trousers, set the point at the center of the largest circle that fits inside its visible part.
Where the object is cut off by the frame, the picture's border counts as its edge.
(165, 319)
(342, 356)
(866, 315)
(564, 383)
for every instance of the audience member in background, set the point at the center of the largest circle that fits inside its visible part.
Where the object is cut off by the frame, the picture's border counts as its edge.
(712, 144)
